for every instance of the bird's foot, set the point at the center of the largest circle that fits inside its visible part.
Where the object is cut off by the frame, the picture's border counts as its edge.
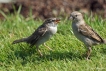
(87, 58)
(47, 47)
(40, 53)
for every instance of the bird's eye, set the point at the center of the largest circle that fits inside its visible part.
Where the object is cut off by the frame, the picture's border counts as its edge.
(76, 15)
(53, 20)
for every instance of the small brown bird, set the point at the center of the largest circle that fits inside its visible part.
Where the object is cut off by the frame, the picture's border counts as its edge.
(84, 32)
(42, 34)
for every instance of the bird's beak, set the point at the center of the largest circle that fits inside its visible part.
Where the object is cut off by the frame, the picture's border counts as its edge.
(70, 18)
(57, 21)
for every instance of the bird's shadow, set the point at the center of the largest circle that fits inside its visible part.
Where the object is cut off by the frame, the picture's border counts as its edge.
(56, 55)
(25, 52)
(53, 55)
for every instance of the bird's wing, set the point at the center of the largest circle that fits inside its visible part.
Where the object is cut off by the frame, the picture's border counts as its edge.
(37, 34)
(87, 31)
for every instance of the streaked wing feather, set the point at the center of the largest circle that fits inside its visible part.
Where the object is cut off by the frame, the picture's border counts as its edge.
(87, 31)
(37, 34)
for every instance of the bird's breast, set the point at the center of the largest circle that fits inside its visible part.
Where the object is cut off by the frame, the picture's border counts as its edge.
(78, 35)
(75, 28)
(53, 30)
(76, 32)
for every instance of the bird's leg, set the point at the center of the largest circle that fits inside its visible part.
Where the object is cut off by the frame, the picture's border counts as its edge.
(47, 46)
(88, 53)
(39, 51)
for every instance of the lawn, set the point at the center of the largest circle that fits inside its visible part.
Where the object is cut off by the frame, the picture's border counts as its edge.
(67, 54)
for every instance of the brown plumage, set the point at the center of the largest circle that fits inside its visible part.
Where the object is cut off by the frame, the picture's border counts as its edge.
(89, 32)
(42, 34)
(84, 32)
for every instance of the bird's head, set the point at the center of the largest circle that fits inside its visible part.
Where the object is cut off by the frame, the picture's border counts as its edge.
(76, 16)
(52, 21)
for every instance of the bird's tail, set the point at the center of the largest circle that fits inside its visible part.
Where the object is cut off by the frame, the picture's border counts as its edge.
(104, 41)
(20, 40)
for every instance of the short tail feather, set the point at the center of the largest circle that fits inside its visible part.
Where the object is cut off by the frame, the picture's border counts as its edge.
(20, 40)
(104, 41)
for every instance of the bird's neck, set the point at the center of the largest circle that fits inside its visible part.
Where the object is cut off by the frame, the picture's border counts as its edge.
(80, 22)
(52, 25)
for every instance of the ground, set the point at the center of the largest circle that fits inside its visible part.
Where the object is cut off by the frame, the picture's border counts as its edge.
(68, 53)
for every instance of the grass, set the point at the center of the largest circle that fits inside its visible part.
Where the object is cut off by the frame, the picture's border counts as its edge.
(67, 54)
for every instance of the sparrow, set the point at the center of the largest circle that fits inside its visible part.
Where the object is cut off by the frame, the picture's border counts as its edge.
(84, 32)
(42, 34)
